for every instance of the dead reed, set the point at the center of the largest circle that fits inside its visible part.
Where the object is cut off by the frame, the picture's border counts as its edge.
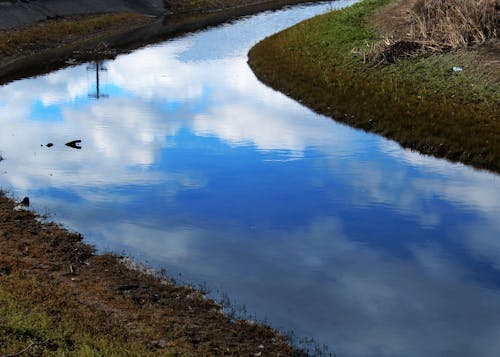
(454, 23)
(433, 26)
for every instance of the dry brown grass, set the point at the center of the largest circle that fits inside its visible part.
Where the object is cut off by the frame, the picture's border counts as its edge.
(455, 23)
(413, 27)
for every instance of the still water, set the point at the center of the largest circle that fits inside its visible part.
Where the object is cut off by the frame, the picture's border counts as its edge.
(188, 163)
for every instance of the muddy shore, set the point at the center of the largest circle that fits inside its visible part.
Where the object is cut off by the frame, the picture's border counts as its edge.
(45, 268)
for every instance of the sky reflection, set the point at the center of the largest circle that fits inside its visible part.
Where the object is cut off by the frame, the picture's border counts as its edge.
(192, 165)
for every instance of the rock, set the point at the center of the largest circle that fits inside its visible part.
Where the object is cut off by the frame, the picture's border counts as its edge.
(75, 144)
(128, 287)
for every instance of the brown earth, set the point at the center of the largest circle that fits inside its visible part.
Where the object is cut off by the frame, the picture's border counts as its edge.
(48, 269)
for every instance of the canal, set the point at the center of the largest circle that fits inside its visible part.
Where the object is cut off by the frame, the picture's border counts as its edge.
(189, 164)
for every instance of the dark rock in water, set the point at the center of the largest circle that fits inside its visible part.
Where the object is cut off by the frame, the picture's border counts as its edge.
(25, 201)
(75, 144)
(49, 145)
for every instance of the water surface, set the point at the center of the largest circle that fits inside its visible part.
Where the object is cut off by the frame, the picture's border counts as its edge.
(188, 163)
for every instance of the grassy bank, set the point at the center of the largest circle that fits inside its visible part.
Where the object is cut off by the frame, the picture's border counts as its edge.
(59, 298)
(418, 101)
(26, 331)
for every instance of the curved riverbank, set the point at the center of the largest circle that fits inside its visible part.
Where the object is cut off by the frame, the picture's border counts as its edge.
(57, 296)
(419, 102)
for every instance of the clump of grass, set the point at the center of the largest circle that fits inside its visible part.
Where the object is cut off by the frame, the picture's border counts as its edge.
(455, 23)
(32, 333)
(437, 26)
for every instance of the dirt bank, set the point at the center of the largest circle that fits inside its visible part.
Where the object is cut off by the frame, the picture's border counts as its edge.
(33, 56)
(16, 14)
(96, 303)
(444, 104)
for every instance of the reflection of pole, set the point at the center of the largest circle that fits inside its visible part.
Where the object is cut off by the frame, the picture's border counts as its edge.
(97, 79)
(97, 67)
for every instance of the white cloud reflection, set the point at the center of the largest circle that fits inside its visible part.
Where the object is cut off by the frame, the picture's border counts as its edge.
(357, 299)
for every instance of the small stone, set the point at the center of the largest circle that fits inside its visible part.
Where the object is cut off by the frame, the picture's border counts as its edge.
(75, 144)
(160, 343)
(128, 287)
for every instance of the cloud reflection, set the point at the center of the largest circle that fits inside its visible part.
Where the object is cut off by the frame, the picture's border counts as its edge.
(434, 305)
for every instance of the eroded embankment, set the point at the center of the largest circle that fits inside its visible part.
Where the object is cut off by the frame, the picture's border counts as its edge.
(421, 101)
(58, 297)
(16, 14)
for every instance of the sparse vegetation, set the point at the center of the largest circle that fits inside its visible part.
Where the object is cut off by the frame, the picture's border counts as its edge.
(34, 333)
(420, 101)
(58, 32)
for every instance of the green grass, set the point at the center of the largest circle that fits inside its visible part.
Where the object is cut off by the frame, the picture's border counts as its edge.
(22, 328)
(419, 102)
